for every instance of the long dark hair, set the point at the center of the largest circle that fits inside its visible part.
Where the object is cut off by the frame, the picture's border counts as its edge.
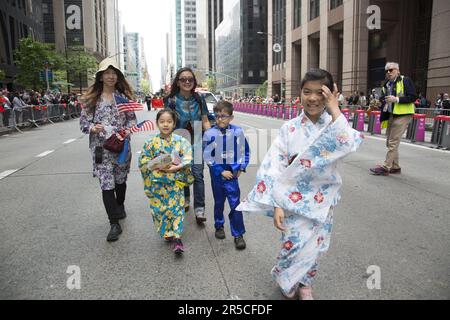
(175, 88)
(95, 91)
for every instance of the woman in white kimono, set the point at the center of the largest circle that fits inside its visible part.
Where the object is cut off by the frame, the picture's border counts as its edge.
(298, 183)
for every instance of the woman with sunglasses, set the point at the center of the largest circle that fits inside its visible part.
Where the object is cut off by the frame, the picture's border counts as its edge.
(192, 113)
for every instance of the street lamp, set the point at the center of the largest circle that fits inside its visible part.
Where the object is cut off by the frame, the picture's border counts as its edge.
(277, 48)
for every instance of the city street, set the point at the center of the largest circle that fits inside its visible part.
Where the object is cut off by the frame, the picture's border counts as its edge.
(52, 219)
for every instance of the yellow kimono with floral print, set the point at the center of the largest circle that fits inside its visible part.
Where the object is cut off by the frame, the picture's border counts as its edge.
(166, 190)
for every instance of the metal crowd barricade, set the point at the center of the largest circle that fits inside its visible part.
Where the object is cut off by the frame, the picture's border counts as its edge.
(8, 119)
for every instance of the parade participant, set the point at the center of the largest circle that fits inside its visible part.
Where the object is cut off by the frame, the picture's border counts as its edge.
(191, 108)
(398, 96)
(165, 167)
(227, 154)
(107, 112)
(298, 184)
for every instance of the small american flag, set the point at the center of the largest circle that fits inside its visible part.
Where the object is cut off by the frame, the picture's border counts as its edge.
(143, 126)
(125, 105)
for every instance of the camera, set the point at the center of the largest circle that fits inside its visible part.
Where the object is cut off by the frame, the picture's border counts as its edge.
(98, 153)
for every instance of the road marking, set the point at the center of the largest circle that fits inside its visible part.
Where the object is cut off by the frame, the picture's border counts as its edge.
(6, 173)
(366, 134)
(70, 141)
(46, 153)
(407, 144)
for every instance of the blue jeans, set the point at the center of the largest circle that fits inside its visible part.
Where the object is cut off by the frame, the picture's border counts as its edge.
(199, 186)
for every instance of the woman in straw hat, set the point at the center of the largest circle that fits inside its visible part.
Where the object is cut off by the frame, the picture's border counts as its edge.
(100, 119)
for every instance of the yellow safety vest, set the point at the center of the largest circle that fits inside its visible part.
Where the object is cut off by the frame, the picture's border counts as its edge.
(401, 108)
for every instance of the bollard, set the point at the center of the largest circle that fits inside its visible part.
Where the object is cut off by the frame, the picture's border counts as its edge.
(445, 135)
(374, 122)
(346, 113)
(358, 120)
(419, 128)
(437, 129)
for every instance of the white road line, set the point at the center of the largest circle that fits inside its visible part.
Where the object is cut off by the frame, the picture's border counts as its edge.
(70, 141)
(6, 173)
(366, 134)
(46, 153)
(406, 144)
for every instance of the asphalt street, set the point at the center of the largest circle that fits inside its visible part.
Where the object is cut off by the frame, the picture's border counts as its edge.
(53, 221)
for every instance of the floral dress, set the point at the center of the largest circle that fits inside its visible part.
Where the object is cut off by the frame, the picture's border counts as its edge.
(109, 172)
(299, 175)
(166, 190)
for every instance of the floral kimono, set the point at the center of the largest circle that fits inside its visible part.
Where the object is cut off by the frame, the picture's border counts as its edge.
(299, 175)
(166, 190)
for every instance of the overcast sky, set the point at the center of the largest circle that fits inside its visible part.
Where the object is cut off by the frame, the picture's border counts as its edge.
(151, 19)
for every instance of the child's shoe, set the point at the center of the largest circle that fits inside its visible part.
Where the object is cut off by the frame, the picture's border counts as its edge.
(239, 243)
(178, 246)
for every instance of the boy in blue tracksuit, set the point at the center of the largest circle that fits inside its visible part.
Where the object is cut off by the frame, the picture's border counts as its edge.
(227, 154)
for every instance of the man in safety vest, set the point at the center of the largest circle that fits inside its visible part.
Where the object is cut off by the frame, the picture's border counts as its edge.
(398, 96)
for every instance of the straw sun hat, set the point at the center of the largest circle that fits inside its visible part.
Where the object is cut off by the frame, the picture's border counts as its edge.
(105, 64)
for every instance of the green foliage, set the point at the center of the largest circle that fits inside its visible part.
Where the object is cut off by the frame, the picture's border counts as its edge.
(145, 87)
(80, 61)
(262, 90)
(211, 84)
(2, 74)
(31, 57)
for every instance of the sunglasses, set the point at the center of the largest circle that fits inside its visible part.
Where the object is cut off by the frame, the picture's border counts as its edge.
(186, 80)
(223, 117)
(389, 70)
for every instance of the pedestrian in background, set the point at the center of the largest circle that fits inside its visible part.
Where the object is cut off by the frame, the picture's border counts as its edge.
(165, 167)
(398, 97)
(227, 154)
(298, 184)
(191, 108)
(101, 119)
(5, 107)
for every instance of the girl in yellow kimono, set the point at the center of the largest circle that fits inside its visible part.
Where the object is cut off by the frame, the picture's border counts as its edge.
(165, 165)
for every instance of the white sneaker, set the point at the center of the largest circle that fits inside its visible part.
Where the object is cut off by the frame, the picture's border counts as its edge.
(200, 215)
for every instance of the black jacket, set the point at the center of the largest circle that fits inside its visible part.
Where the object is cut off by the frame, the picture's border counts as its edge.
(409, 95)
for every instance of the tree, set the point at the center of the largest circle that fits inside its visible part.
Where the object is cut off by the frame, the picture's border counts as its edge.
(2, 74)
(80, 65)
(212, 84)
(32, 57)
(145, 87)
(262, 89)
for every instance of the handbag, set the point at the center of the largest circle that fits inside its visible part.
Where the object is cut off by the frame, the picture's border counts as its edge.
(114, 144)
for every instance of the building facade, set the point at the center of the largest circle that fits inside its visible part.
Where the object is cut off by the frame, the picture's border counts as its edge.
(209, 16)
(189, 34)
(353, 39)
(241, 61)
(132, 60)
(91, 25)
(18, 19)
